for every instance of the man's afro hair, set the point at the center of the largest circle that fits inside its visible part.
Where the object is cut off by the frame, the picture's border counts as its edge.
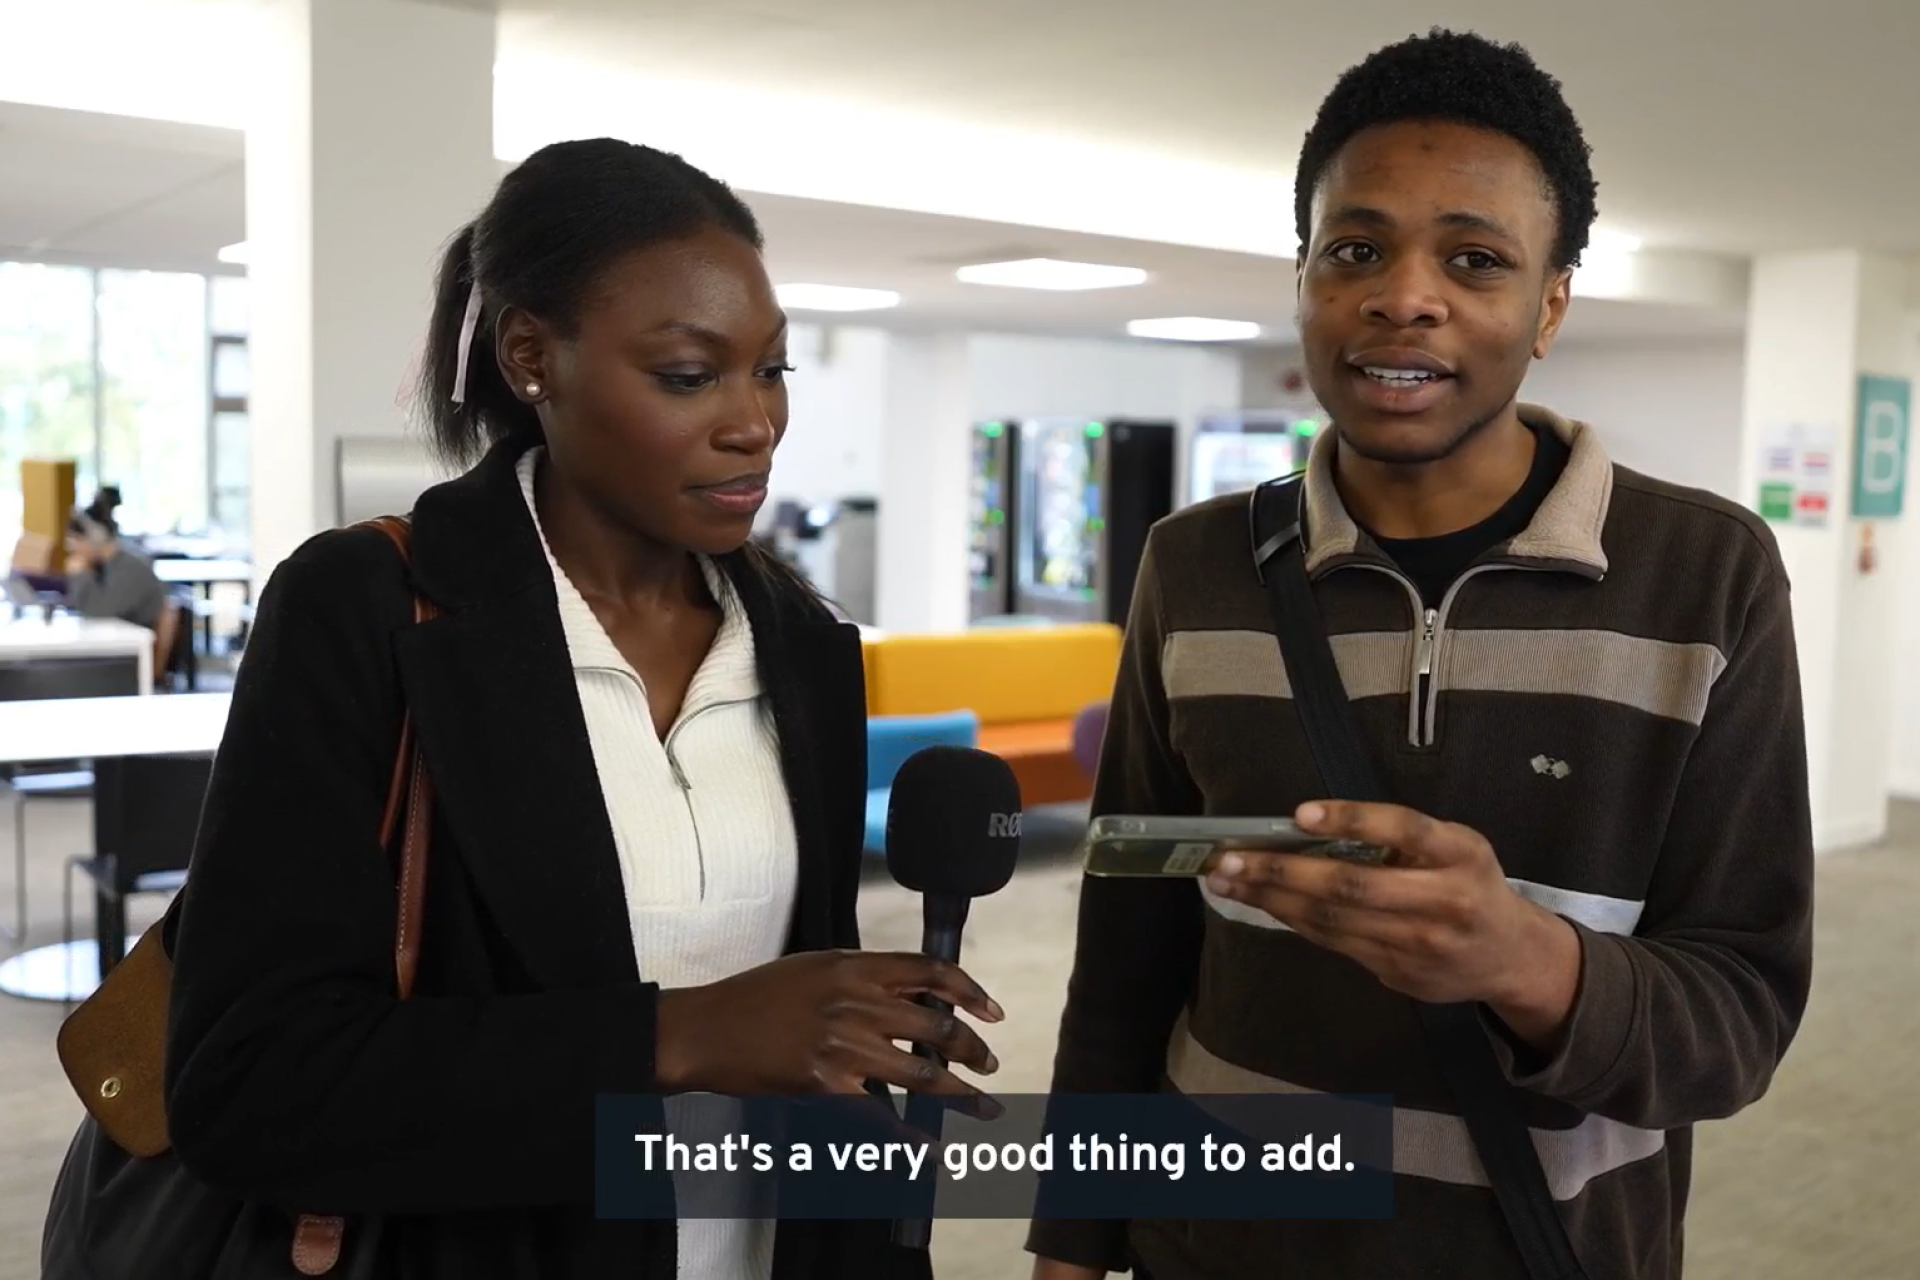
(1463, 79)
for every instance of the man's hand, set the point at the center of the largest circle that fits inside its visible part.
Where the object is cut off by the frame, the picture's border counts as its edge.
(1439, 923)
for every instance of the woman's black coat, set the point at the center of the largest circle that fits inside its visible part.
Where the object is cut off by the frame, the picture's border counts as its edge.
(464, 1117)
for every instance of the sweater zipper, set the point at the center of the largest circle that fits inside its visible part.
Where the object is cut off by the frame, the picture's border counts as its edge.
(1423, 672)
(1423, 704)
(1437, 630)
(686, 785)
(1429, 622)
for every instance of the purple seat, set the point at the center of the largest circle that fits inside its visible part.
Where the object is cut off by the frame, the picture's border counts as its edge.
(1089, 729)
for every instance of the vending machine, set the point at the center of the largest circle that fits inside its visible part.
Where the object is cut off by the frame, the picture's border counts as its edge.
(1235, 452)
(996, 451)
(1089, 491)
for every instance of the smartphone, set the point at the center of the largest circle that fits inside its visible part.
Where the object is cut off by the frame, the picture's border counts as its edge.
(1129, 845)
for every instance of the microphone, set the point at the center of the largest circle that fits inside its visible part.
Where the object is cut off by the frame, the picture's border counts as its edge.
(953, 835)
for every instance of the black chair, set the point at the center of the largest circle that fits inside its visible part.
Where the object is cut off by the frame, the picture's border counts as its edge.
(53, 780)
(146, 813)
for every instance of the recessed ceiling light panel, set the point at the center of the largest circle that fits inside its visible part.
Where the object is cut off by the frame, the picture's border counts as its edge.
(1194, 329)
(834, 297)
(1051, 274)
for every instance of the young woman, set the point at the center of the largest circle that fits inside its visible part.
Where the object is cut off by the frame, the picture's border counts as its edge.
(648, 743)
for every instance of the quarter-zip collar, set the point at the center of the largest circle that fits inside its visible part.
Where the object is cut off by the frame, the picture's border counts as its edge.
(1564, 534)
(727, 675)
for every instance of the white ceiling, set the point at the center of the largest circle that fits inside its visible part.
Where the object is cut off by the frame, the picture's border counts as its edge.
(1733, 125)
(117, 191)
(87, 187)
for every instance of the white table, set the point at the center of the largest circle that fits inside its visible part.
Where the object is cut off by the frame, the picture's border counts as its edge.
(34, 637)
(191, 547)
(90, 729)
(203, 572)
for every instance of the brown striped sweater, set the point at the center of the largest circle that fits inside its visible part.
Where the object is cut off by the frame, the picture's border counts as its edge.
(1614, 702)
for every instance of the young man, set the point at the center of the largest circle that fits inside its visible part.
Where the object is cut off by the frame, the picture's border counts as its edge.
(107, 580)
(1578, 683)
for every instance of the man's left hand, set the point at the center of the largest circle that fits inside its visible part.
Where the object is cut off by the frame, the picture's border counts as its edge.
(1439, 923)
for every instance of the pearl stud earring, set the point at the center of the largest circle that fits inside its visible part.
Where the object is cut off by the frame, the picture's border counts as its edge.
(533, 391)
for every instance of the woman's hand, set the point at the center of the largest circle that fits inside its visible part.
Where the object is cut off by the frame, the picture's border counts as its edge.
(822, 1022)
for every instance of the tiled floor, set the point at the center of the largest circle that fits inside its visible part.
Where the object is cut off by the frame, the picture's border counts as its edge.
(1819, 1180)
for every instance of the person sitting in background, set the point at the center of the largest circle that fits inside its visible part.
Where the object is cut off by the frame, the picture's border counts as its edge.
(107, 580)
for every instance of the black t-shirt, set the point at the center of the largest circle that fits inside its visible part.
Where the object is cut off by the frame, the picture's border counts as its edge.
(1434, 563)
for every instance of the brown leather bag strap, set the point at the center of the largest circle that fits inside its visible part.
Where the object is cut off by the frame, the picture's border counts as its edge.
(317, 1238)
(409, 793)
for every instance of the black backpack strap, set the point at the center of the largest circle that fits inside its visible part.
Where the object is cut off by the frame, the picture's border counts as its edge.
(1456, 1038)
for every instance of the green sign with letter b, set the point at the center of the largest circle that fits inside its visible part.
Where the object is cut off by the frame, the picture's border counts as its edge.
(1881, 437)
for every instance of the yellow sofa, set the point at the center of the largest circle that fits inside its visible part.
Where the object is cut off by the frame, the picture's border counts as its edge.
(1025, 683)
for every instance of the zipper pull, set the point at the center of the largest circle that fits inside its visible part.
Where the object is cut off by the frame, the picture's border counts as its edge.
(1426, 642)
(679, 775)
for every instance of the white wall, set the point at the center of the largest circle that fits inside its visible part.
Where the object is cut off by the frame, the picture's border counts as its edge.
(1672, 411)
(922, 534)
(1264, 374)
(1029, 376)
(838, 395)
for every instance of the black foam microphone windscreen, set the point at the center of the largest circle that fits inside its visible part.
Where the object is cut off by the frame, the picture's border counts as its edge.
(953, 823)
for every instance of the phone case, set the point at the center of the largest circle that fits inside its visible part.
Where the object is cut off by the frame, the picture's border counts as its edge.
(1139, 845)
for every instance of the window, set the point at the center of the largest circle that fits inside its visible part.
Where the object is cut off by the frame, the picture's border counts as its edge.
(140, 377)
(47, 401)
(229, 481)
(153, 392)
(229, 426)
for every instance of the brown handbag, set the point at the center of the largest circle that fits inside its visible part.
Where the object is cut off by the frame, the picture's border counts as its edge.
(113, 1047)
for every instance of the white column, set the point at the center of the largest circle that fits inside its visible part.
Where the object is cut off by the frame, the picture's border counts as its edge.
(1817, 321)
(369, 144)
(925, 458)
(1905, 540)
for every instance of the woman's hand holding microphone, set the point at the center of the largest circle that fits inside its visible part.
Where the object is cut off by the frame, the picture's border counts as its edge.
(823, 1022)
(828, 1022)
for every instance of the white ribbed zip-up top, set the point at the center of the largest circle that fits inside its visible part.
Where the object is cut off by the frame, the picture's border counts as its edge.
(703, 827)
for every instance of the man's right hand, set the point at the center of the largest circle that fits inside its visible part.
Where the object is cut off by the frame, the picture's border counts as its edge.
(822, 1022)
(1048, 1269)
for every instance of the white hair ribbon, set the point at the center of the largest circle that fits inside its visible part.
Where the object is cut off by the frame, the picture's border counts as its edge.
(467, 326)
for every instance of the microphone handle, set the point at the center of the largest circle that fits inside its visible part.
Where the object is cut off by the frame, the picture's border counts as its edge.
(939, 938)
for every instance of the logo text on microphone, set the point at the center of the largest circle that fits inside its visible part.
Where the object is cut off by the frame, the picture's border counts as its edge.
(1003, 825)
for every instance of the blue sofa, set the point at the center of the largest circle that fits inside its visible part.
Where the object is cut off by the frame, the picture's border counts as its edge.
(890, 740)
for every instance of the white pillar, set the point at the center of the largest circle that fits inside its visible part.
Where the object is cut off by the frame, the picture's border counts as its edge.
(369, 144)
(1905, 538)
(1817, 322)
(925, 461)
